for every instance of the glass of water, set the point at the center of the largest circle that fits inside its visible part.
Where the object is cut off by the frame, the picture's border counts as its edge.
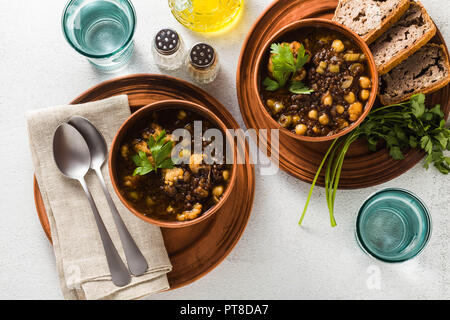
(101, 30)
(393, 225)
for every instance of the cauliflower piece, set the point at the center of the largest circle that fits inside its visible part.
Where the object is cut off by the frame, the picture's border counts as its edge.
(191, 214)
(172, 175)
(141, 146)
(131, 181)
(195, 162)
(354, 111)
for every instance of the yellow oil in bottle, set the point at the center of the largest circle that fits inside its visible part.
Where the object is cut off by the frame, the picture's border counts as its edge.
(206, 15)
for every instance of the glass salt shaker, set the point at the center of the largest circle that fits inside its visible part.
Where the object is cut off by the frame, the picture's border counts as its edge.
(203, 63)
(168, 49)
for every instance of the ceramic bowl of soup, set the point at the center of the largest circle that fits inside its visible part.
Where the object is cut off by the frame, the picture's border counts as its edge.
(164, 168)
(316, 80)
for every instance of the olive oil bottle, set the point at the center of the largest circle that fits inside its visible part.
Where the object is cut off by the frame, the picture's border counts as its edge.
(206, 15)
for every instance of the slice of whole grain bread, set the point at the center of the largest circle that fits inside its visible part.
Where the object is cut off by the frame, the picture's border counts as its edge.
(425, 71)
(414, 29)
(369, 18)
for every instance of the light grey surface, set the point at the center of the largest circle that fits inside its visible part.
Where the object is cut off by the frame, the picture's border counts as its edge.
(274, 258)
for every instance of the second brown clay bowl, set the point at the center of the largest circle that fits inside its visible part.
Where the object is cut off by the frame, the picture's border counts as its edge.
(296, 27)
(138, 117)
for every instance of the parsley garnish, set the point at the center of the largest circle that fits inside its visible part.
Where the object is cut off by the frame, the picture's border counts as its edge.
(160, 155)
(285, 66)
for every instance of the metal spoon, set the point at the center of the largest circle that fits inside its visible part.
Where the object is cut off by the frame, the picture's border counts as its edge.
(71, 154)
(98, 149)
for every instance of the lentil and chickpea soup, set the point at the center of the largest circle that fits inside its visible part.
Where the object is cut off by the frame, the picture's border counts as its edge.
(179, 193)
(334, 83)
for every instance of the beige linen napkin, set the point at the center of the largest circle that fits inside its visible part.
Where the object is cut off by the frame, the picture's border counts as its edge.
(79, 254)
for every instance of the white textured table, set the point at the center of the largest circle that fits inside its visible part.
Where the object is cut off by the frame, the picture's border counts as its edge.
(274, 258)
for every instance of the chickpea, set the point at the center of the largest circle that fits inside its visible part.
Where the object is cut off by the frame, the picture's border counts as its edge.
(365, 82)
(181, 115)
(300, 129)
(270, 103)
(343, 125)
(133, 195)
(294, 46)
(333, 68)
(350, 97)
(285, 121)
(312, 114)
(184, 154)
(149, 201)
(340, 109)
(351, 57)
(278, 106)
(364, 94)
(295, 119)
(355, 110)
(226, 175)
(324, 119)
(217, 191)
(327, 100)
(337, 45)
(315, 129)
(124, 150)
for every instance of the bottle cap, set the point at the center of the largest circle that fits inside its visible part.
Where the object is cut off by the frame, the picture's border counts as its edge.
(202, 55)
(167, 41)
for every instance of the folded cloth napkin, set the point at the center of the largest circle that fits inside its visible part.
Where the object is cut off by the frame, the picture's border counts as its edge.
(79, 254)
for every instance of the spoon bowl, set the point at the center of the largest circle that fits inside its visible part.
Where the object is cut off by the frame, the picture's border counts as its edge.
(95, 141)
(71, 152)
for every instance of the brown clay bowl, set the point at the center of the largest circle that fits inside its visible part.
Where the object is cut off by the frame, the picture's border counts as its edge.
(296, 27)
(137, 118)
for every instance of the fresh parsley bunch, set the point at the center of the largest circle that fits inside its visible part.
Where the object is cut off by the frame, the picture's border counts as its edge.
(410, 124)
(403, 125)
(160, 154)
(285, 66)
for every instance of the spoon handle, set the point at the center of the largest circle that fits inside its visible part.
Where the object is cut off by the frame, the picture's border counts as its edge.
(119, 272)
(135, 259)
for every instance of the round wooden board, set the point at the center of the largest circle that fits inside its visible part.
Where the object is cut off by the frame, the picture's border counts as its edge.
(196, 250)
(362, 168)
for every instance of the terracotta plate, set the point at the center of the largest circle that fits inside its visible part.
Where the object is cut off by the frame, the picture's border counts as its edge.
(195, 250)
(362, 168)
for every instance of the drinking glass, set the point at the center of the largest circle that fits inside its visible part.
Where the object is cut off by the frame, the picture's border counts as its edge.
(393, 225)
(101, 30)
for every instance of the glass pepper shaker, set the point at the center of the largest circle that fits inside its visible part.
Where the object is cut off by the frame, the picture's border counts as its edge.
(168, 49)
(203, 63)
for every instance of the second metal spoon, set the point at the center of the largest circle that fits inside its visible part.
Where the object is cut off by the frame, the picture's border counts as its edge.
(98, 149)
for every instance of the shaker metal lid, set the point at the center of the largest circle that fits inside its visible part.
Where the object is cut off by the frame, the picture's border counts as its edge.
(167, 41)
(202, 55)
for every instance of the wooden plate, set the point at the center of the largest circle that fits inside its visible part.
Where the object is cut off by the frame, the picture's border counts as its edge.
(362, 168)
(196, 250)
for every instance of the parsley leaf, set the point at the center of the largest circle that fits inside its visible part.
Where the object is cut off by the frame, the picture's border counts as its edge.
(285, 66)
(299, 87)
(160, 150)
(271, 85)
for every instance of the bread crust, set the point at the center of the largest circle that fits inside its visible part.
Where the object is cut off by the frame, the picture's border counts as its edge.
(433, 88)
(405, 53)
(386, 24)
